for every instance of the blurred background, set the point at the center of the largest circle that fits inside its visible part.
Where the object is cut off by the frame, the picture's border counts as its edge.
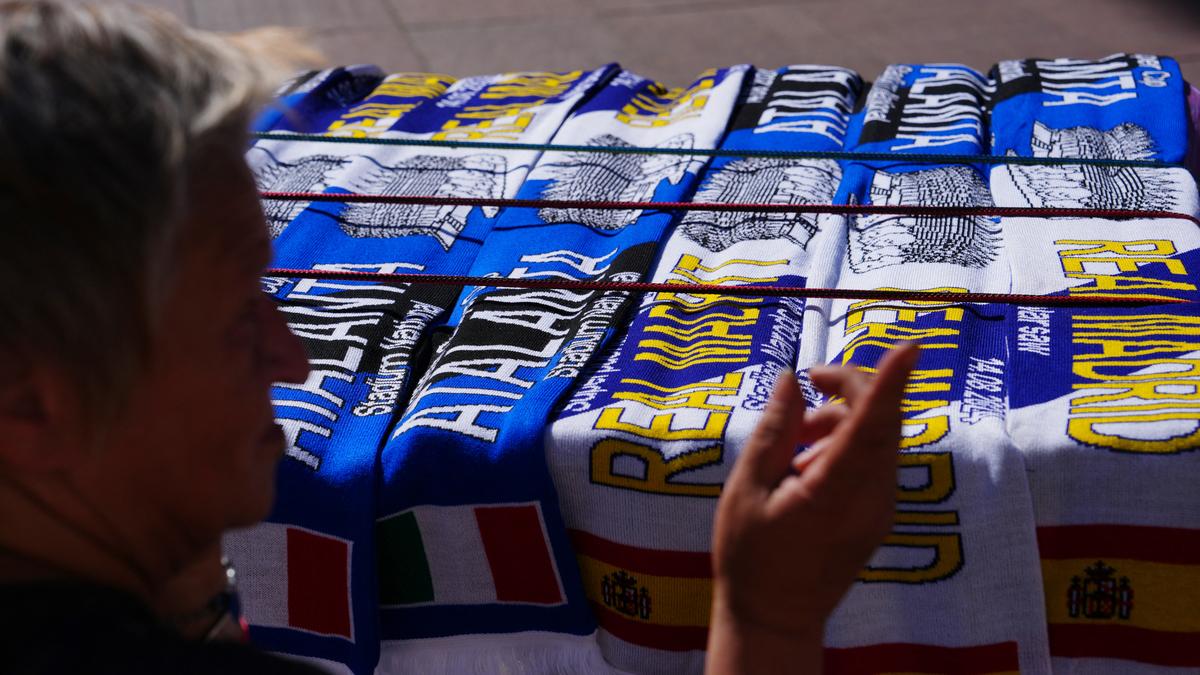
(673, 40)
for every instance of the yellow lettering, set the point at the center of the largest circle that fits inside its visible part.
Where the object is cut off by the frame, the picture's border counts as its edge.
(1090, 370)
(664, 311)
(414, 85)
(715, 328)
(926, 518)
(1147, 391)
(856, 311)
(927, 430)
(1122, 348)
(453, 130)
(1107, 283)
(540, 85)
(701, 351)
(490, 112)
(691, 263)
(939, 482)
(360, 128)
(1131, 264)
(1083, 429)
(661, 107)
(657, 473)
(946, 558)
(660, 426)
(1097, 246)
(1135, 326)
(362, 120)
(695, 395)
(886, 335)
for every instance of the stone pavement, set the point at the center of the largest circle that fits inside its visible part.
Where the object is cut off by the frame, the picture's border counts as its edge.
(673, 40)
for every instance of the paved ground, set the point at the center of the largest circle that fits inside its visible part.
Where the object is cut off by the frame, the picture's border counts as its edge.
(673, 40)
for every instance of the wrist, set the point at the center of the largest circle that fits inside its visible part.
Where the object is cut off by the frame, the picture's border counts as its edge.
(740, 645)
(732, 607)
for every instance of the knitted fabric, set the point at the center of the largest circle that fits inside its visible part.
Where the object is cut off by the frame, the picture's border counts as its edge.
(309, 573)
(647, 438)
(541, 499)
(963, 535)
(1104, 400)
(473, 546)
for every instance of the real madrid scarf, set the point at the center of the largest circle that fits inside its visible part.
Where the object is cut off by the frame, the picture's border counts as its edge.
(963, 539)
(308, 573)
(647, 438)
(1104, 401)
(476, 569)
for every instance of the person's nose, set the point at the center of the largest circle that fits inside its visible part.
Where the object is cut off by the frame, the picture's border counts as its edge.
(285, 355)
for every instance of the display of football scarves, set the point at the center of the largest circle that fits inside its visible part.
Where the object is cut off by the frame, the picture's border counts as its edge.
(1104, 401)
(497, 480)
(473, 549)
(308, 575)
(645, 441)
(963, 546)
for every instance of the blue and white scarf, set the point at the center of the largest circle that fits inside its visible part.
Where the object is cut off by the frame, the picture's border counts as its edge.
(1104, 404)
(963, 536)
(648, 436)
(309, 572)
(477, 572)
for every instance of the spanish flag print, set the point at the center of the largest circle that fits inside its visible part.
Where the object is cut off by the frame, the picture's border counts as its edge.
(1123, 592)
(661, 600)
(647, 597)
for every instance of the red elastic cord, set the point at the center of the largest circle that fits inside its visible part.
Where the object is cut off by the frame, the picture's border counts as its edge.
(844, 209)
(1090, 300)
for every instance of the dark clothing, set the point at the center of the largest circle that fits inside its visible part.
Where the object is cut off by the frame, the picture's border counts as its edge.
(53, 628)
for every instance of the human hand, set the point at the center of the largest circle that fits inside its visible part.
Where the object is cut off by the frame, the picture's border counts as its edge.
(793, 531)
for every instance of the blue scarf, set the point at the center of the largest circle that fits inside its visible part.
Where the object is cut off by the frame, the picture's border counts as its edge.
(316, 549)
(471, 539)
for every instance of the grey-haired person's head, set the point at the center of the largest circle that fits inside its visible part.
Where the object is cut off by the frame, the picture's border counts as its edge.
(104, 110)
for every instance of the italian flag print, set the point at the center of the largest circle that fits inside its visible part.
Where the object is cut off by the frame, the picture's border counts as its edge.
(293, 577)
(499, 555)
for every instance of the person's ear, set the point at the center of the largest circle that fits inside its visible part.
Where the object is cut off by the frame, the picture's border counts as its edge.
(36, 418)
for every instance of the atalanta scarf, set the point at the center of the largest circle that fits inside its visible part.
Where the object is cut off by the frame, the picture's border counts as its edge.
(309, 572)
(473, 549)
